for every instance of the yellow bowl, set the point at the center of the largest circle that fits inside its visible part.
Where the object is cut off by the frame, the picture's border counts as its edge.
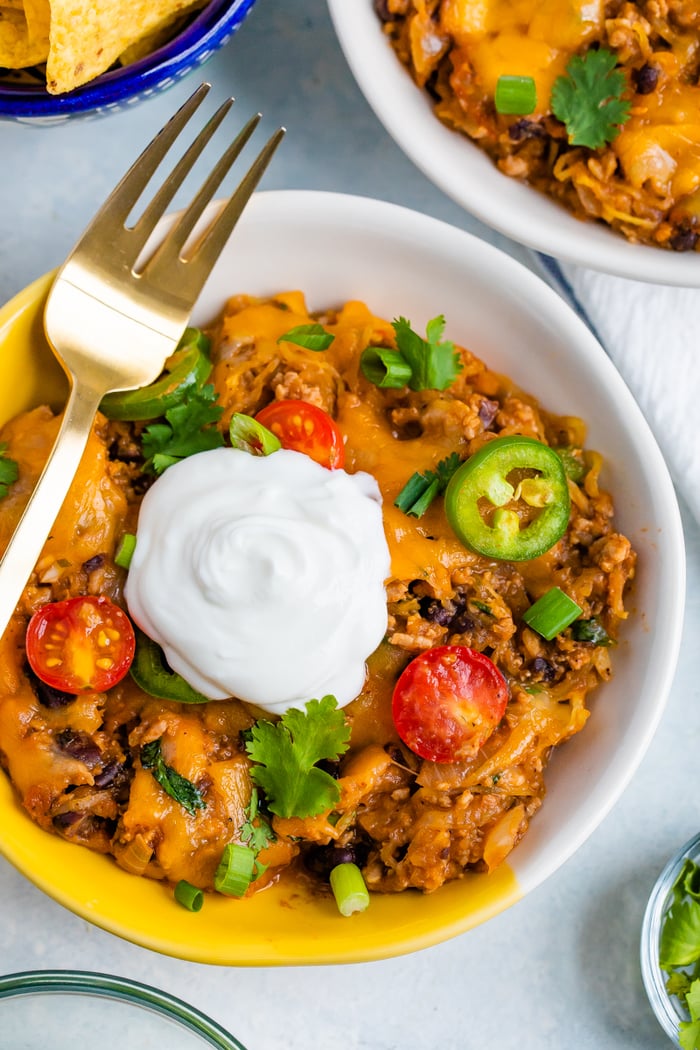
(337, 247)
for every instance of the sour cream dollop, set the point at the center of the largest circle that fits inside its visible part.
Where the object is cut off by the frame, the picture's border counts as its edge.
(262, 577)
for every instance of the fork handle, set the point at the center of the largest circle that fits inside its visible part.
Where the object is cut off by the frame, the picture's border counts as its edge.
(45, 502)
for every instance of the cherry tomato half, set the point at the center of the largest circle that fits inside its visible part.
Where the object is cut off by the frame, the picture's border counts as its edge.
(305, 428)
(447, 702)
(81, 644)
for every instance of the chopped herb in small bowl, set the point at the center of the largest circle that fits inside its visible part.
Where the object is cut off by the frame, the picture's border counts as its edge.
(670, 947)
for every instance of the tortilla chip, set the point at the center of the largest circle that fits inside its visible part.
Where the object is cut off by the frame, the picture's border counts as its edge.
(17, 48)
(149, 43)
(87, 37)
(38, 13)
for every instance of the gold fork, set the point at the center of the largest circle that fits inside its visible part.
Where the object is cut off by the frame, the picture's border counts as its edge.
(113, 327)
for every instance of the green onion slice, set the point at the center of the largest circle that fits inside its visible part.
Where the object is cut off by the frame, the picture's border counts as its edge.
(552, 613)
(250, 436)
(414, 493)
(515, 95)
(235, 870)
(310, 336)
(385, 368)
(125, 550)
(349, 889)
(189, 896)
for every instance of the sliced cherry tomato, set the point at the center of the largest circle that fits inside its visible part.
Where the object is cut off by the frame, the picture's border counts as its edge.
(81, 644)
(305, 428)
(448, 701)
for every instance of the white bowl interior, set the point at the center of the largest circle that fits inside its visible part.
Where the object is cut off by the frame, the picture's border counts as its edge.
(467, 175)
(336, 247)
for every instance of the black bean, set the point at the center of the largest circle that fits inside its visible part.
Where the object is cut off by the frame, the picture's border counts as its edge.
(488, 411)
(684, 241)
(381, 9)
(646, 79)
(93, 563)
(525, 129)
(79, 746)
(66, 820)
(543, 668)
(109, 774)
(462, 622)
(47, 695)
(433, 610)
(322, 859)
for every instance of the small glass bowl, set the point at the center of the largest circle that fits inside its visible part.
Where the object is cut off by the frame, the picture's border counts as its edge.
(71, 1005)
(668, 1009)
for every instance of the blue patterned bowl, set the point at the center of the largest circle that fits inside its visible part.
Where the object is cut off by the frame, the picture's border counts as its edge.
(24, 98)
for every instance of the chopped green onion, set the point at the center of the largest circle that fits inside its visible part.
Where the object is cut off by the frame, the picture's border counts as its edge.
(310, 336)
(422, 487)
(385, 368)
(418, 509)
(349, 889)
(235, 871)
(414, 494)
(189, 896)
(591, 631)
(515, 95)
(551, 613)
(250, 436)
(125, 550)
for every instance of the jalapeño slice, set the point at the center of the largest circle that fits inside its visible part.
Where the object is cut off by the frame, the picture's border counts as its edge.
(151, 674)
(510, 500)
(187, 368)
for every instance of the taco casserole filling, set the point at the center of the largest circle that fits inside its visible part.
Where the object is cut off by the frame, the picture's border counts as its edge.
(76, 760)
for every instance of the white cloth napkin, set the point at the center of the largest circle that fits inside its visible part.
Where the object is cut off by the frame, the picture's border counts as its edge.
(652, 335)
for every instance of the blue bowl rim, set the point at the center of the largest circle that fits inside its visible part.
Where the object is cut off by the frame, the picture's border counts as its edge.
(208, 31)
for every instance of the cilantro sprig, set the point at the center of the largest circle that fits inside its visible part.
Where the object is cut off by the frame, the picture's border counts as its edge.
(173, 783)
(422, 487)
(285, 754)
(255, 830)
(188, 428)
(421, 364)
(679, 951)
(9, 471)
(588, 99)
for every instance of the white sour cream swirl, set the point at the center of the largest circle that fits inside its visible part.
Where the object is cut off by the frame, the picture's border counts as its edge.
(262, 577)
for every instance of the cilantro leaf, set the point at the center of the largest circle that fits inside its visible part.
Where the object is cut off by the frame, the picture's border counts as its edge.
(9, 471)
(285, 754)
(434, 364)
(188, 429)
(679, 944)
(588, 99)
(689, 1035)
(692, 1000)
(172, 782)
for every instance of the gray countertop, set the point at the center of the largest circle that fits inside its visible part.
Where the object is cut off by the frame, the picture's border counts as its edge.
(559, 968)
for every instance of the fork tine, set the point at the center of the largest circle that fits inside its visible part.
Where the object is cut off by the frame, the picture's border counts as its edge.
(209, 247)
(170, 250)
(193, 272)
(142, 229)
(126, 193)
